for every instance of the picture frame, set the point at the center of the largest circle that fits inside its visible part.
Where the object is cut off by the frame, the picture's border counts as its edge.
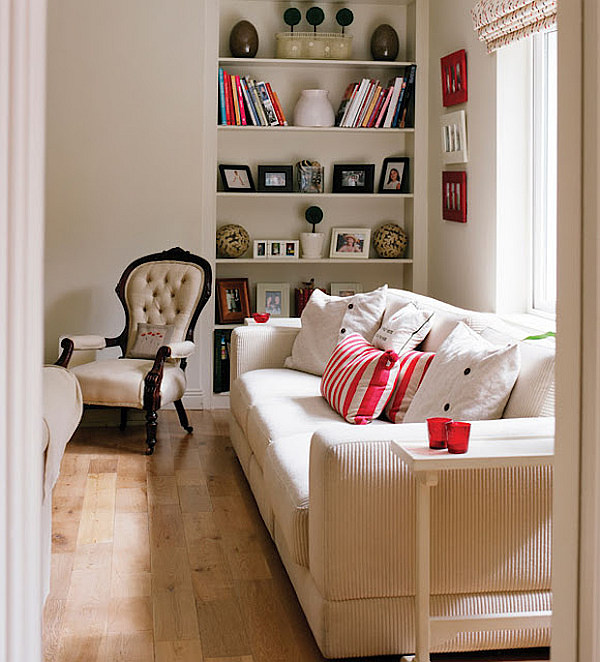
(353, 177)
(454, 196)
(273, 298)
(260, 249)
(454, 78)
(283, 249)
(275, 178)
(350, 243)
(454, 137)
(394, 175)
(345, 289)
(236, 178)
(233, 300)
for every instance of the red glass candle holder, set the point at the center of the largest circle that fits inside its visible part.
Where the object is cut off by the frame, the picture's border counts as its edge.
(436, 428)
(458, 436)
(261, 318)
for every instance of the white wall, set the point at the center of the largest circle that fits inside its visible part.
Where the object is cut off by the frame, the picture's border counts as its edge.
(124, 152)
(462, 257)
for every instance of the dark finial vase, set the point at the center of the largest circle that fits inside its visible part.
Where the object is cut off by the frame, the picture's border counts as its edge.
(243, 40)
(384, 43)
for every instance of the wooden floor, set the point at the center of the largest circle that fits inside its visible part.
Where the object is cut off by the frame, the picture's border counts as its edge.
(166, 558)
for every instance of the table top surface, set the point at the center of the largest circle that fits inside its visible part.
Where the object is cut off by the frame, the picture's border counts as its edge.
(483, 453)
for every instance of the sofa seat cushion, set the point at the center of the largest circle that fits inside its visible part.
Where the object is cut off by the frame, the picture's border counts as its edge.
(120, 382)
(286, 479)
(259, 385)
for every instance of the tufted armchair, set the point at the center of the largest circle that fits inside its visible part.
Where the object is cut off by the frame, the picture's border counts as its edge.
(168, 290)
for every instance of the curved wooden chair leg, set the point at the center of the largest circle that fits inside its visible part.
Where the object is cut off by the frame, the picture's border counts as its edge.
(183, 419)
(123, 424)
(151, 426)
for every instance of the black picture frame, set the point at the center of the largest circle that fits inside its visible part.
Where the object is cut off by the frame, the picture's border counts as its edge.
(401, 165)
(268, 175)
(353, 177)
(229, 174)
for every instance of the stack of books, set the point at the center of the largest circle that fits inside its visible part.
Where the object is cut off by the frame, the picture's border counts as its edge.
(371, 105)
(222, 345)
(245, 102)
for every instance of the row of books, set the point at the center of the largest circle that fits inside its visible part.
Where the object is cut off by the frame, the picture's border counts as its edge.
(245, 102)
(369, 104)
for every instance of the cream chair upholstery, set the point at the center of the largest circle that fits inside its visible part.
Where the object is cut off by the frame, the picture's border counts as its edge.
(171, 288)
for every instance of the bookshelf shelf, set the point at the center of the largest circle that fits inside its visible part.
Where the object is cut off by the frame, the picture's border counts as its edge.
(320, 196)
(285, 62)
(313, 129)
(323, 260)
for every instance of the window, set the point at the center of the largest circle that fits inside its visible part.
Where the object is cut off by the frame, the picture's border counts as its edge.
(544, 150)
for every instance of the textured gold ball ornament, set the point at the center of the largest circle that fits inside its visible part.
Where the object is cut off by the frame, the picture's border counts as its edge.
(390, 241)
(232, 241)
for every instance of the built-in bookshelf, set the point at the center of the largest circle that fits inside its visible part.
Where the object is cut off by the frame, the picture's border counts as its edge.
(281, 215)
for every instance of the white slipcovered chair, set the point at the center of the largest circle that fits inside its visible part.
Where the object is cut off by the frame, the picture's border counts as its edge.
(167, 290)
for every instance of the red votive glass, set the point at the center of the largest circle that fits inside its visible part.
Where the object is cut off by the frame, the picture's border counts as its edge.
(436, 428)
(261, 318)
(458, 436)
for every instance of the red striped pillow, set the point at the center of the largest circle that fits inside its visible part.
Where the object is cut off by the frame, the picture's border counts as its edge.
(412, 369)
(359, 379)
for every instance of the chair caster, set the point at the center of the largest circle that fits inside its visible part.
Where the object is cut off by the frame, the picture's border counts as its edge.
(189, 429)
(150, 450)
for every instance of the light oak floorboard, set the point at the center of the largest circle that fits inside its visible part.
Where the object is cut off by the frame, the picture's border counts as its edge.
(166, 558)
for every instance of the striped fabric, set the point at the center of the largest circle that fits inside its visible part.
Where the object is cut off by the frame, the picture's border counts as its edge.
(413, 366)
(359, 379)
(500, 22)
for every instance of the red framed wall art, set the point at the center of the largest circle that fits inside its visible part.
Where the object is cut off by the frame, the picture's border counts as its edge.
(454, 78)
(454, 196)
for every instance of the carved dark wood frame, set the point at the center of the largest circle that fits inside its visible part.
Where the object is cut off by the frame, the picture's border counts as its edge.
(153, 380)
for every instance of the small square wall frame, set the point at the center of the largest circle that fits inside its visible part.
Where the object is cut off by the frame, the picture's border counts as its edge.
(454, 78)
(454, 196)
(454, 137)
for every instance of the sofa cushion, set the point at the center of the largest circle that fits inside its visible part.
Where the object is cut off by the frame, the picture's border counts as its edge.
(258, 385)
(413, 366)
(403, 329)
(286, 479)
(469, 378)
(326, 320)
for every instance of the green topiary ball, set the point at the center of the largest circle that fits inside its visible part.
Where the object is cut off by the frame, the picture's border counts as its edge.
(232, 241)
(390, 241)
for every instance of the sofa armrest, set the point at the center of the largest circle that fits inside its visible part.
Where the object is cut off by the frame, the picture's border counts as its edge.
(491, 529)
(255, 347)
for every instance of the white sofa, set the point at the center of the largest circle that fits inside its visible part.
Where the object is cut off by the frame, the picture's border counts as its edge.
(340, 507)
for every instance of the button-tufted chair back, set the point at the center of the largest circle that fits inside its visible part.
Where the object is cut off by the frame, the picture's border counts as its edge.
(164, 288)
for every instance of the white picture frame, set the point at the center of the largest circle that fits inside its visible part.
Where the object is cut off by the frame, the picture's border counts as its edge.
(283, 249)
(260, 249)
(345, 289)
(273, 298)
(350, 243)
(454, 137)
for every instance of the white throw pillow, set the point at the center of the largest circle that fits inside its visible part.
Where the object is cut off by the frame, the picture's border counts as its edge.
(326, 320)
(469, 379)
(404, 329)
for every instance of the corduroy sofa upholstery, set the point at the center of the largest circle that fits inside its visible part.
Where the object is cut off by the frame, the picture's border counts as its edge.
(341, 507)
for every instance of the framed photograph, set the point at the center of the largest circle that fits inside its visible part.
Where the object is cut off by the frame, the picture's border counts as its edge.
(236, 178)
(353, 178)
(283, 249)
(233, 301)
(275, 179)
(454, 196)
(345, 289)
(394, 175)
(454, 137)
(259, 251)
(350, 242)
(454, 78)
(273, 298)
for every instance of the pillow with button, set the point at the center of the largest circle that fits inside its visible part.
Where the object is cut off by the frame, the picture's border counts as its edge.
(149, 338)
(326, 320)
(412, 369)
(403, 329)
(469, 379)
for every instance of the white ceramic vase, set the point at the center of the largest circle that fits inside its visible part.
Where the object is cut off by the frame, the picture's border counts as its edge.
(314, 109)
(312, 244)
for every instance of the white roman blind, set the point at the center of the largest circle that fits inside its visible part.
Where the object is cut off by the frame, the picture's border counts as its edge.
(500, 22)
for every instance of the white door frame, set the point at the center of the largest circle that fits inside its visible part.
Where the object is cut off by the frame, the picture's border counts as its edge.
(22, 126)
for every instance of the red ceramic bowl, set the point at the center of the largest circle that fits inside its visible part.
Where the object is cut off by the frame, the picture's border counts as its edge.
(260, 318)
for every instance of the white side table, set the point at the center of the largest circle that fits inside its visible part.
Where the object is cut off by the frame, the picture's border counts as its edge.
(484, 453)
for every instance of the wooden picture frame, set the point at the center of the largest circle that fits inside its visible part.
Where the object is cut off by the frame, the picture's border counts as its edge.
(454, 78)
(273, 298)
(454, 137)
(454, 196)
(394, 175)
(275, 179)
(236, 178)
(350, 243)
(233, 300)
(353, 178)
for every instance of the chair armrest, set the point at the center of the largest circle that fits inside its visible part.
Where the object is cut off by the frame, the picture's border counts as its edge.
(181, 350)
(362, 515)
(260, 346)
(88, 342)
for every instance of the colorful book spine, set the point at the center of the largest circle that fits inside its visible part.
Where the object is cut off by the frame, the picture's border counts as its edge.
(267, 105)
(399, 104)
(365, 105)
(384, 107)
(240, 97)
(410, 90)
(356, 103)
(371, 108)
(276, 105)
(251, 111)
(227, 89)
(393, 101)
(222, 112)
(344, 102)
(236, 107)
(376, 108)
(257, 102)
(348, 104)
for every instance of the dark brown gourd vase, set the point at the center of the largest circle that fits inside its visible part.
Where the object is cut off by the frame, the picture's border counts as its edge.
(384, 43)
(243, 40)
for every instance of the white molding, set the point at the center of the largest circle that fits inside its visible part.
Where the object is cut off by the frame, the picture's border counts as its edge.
(22, 124)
